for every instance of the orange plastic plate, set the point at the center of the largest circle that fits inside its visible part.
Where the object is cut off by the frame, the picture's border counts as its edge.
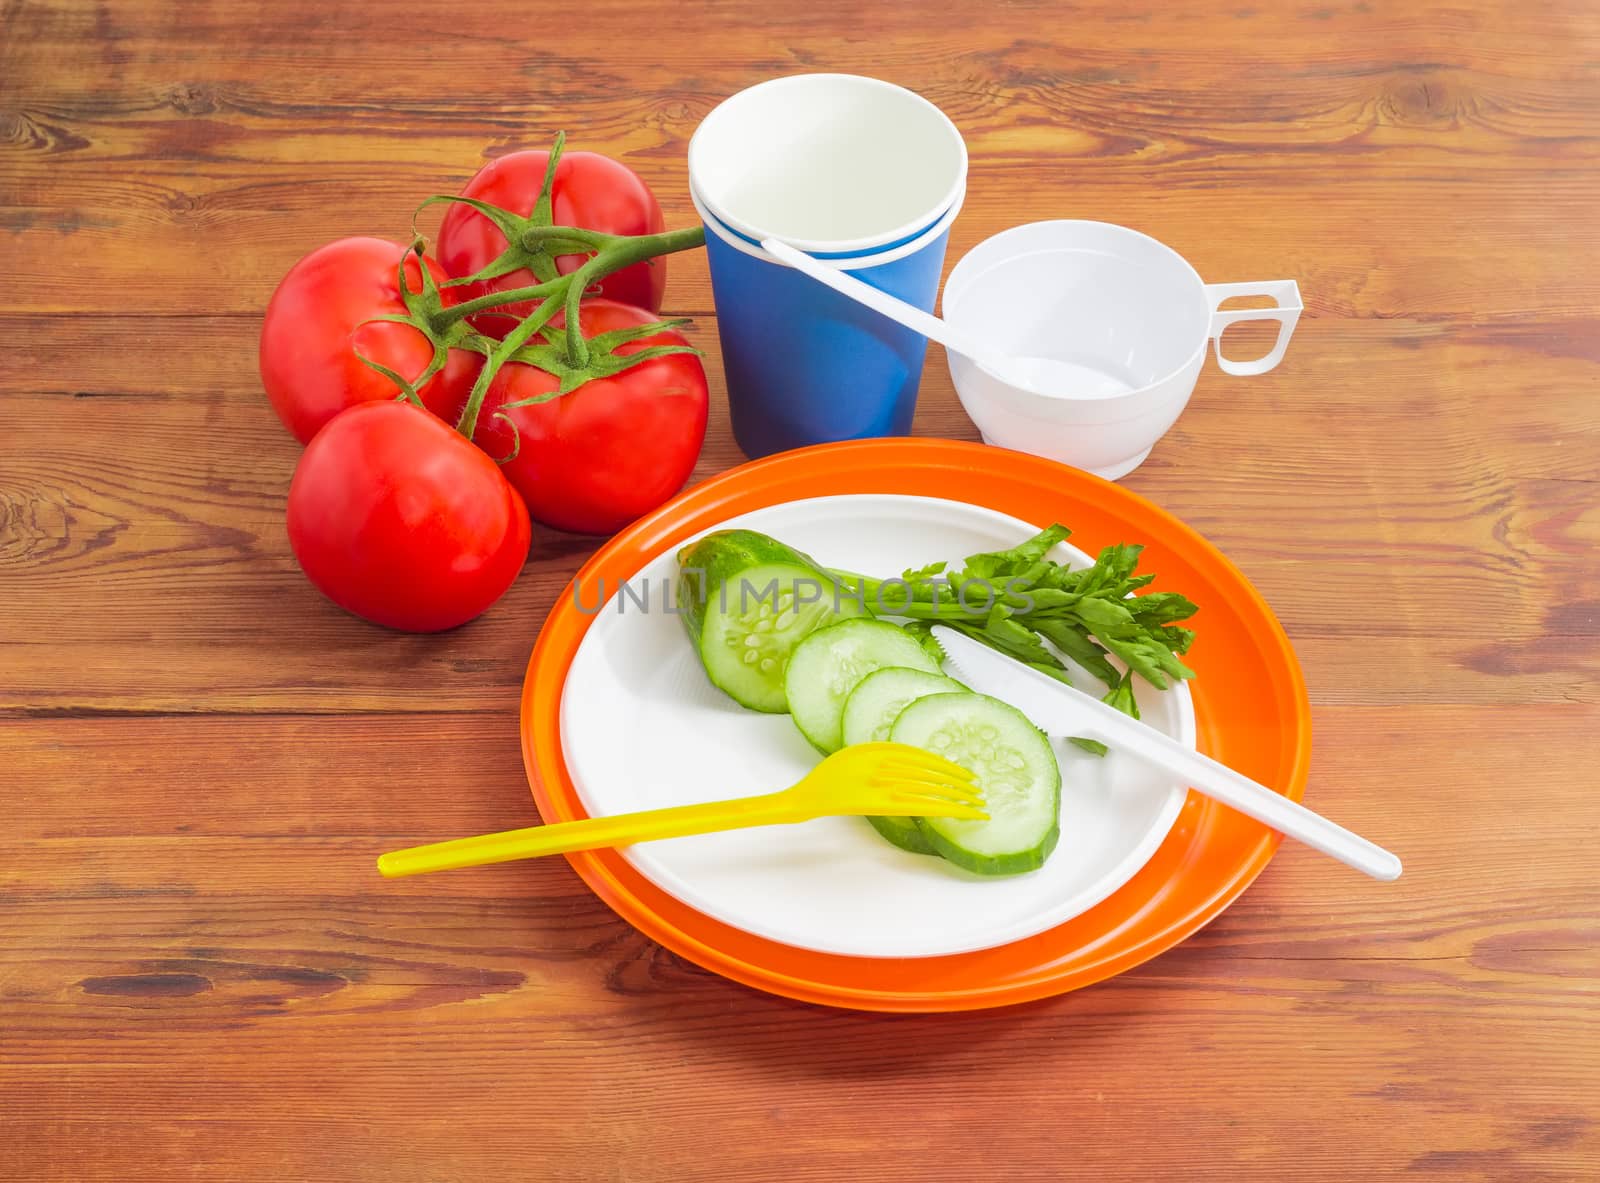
(1250, 705)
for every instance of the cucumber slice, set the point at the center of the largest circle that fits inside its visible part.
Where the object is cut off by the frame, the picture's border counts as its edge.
(747, 600)
(878, 699)
(746, 648)
(902, 832)
(826, 666)
(1015, 768)
(870, 712)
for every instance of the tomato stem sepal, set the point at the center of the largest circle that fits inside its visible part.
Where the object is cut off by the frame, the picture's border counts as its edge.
(547, 352)
(574, 360)
(524, 250)
(550, 355)
(535, 245)
(424, 312)
(564, 294)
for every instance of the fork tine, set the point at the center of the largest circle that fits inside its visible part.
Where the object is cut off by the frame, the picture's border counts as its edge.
(934, 788)
(959, 796)
(933, 805)
(920, 762)
(962, 790)
(953, 775)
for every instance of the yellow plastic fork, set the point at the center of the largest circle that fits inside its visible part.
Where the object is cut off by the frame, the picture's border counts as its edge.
(868, 778)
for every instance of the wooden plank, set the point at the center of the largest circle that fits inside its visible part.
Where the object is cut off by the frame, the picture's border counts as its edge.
(263, 164)
(140, 235)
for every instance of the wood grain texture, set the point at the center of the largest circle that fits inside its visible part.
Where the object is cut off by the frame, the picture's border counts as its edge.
(199, 976)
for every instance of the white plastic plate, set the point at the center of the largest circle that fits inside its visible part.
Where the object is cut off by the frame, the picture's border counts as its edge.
(641, 728)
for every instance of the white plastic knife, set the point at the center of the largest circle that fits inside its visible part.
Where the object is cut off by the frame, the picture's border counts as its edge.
(1058, 709)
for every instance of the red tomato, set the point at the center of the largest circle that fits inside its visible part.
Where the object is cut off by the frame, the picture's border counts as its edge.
(314, 330)
(590, 191)
(394, 516)
(593, 460)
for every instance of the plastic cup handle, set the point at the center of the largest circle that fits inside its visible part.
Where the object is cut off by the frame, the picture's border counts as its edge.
(1284, 293)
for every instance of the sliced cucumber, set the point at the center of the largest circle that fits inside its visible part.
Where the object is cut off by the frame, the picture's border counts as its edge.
(902, 832)
(826, 666)
(870, 712)
(1015, 768)
(747, 601)
(878, 699)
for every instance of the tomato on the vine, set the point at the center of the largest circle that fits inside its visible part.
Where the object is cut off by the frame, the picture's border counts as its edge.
(319, 324)
(593, 460)
(589, 191)
(396, 517)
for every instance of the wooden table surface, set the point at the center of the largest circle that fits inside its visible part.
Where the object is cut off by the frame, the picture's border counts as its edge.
(200, 975)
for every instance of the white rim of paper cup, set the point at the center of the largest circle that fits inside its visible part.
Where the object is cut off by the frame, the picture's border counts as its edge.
(853, 263)
(914, 229)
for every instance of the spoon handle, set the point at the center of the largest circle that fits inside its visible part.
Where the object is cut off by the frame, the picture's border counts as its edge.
(897, 310)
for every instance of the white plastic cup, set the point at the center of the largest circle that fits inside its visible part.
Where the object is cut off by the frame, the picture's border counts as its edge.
(1129, 314)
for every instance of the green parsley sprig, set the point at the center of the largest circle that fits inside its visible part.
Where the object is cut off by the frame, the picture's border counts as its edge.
(1015, 600)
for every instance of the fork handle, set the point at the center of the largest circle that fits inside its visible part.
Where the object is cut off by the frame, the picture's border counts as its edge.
(592, 833)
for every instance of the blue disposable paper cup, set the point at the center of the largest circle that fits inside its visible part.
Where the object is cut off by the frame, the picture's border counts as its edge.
(854, 170)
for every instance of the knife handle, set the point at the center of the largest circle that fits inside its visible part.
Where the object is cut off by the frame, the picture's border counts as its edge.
(1221, 783)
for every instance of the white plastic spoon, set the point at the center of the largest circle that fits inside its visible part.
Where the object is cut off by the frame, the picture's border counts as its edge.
(1042, 374)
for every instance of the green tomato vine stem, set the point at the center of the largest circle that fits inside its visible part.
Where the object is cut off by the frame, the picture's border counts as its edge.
(563, 293)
